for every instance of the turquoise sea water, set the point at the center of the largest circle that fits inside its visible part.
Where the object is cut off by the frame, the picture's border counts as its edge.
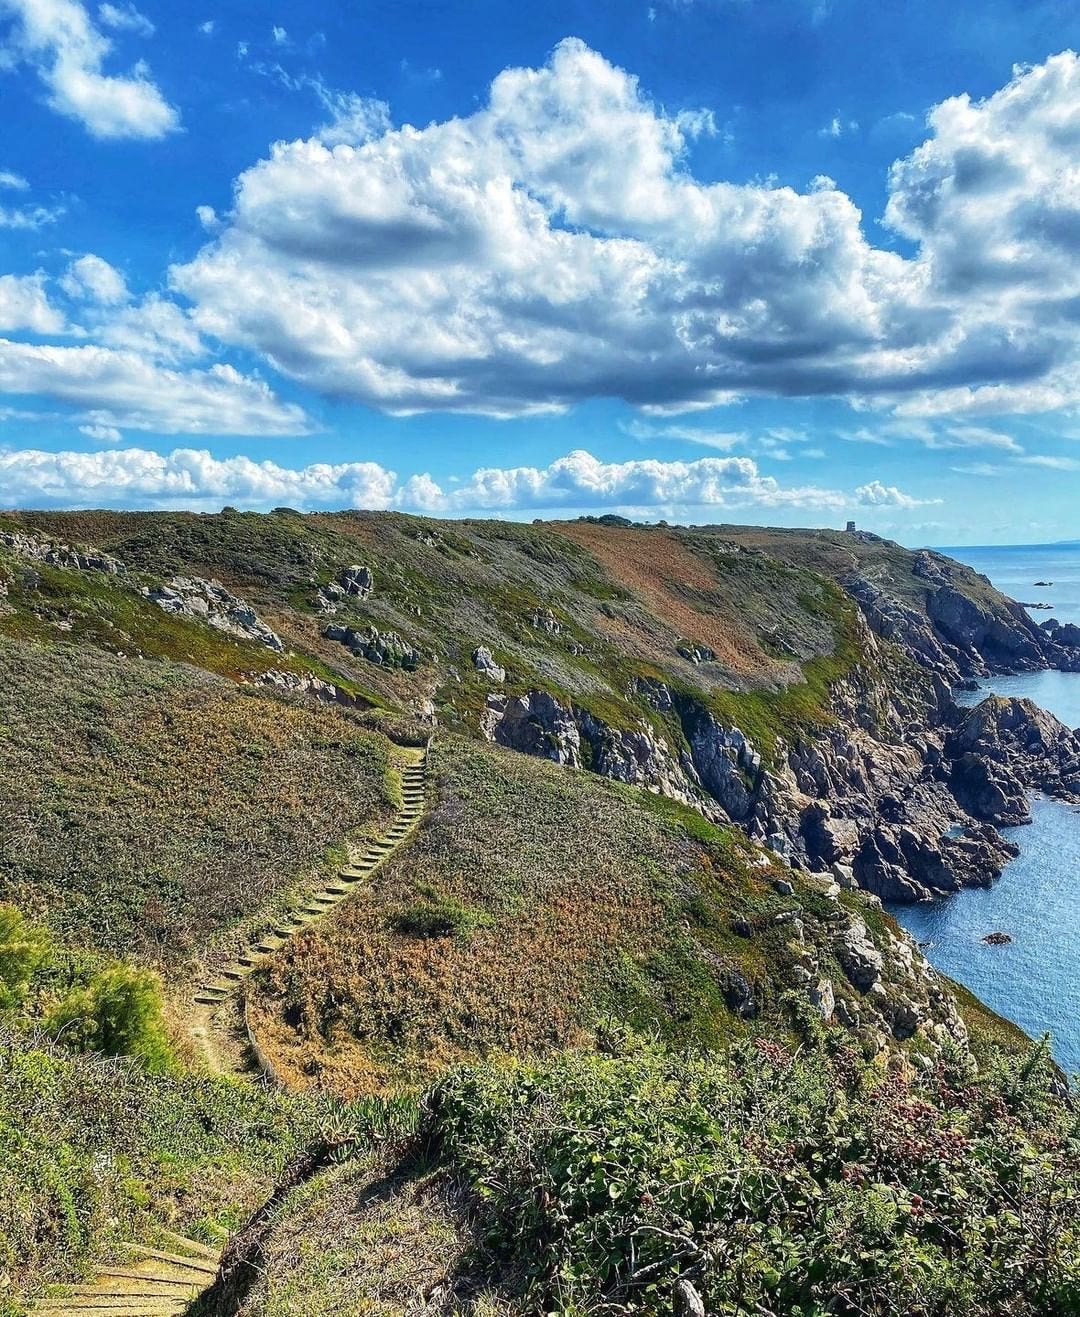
(1036, 979)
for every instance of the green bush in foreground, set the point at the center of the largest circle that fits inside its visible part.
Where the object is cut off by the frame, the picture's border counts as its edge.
(93, 1151)
(806, 1183)
(118, 1013)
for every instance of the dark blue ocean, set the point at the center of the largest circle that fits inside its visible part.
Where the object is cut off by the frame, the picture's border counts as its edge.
(1036, 979)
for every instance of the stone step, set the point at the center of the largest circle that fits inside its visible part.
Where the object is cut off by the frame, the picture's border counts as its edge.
(206, 1265)
(179, 1296)
(184, 1245)
(155, 1278)
(112, 1307)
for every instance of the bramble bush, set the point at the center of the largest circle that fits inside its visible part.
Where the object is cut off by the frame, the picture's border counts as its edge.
(776, 1181)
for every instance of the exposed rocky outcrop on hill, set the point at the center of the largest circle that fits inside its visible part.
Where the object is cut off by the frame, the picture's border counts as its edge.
(384, 648)
(353, 582)
(57, 554)
(210, 602)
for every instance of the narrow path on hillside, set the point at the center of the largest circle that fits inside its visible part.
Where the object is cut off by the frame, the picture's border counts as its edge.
(163, 1283)
(217, 1021)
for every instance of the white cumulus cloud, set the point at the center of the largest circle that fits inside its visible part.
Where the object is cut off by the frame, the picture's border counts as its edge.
(576, 482)
(109, 386)
(94, 278)
(554, 246)
(68, 52)
(24, 305)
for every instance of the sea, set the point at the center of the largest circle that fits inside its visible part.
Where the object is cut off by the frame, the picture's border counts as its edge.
(1035, 979)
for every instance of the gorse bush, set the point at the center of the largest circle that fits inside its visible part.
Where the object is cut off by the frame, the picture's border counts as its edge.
(439, 917)
(775, 1182)
(24, 948)
(118, 1013)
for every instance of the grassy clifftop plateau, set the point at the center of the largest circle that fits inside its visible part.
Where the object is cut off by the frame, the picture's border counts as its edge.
(750, 624)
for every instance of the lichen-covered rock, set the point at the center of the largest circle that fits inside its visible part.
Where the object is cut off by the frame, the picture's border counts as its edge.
(543, 619)
(56, 554)
(355, 582)
(859, 958)
(306, 683)
(210, 602)
(823, 996)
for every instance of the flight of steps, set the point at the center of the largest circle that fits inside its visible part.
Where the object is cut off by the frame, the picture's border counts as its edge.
(218, 990)
(156, 1283)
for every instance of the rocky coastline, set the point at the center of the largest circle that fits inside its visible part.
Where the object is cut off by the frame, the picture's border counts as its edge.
(903, 794)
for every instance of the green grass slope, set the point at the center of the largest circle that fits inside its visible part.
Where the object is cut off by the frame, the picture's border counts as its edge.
(148, 804)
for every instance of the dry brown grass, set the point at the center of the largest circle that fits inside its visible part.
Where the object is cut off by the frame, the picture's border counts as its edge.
(574, 897)
(666, 576)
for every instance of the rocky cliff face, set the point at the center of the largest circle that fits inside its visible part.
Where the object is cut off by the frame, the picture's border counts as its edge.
(952, 631)
(901, 795)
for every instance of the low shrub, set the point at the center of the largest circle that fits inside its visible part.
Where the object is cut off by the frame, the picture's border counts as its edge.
(775, 1182)
(439, 917)
(118, 1013)
(24, 948)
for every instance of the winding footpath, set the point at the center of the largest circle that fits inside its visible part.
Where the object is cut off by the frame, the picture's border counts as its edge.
(164, 1282)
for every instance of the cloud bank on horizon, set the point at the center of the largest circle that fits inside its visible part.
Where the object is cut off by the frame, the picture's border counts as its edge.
(195, 477)
(552, 248)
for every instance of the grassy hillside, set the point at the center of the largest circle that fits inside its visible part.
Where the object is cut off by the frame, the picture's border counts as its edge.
(148, 805)
(511, 957)
(535, 907)
(624, 604)
(94, 1152)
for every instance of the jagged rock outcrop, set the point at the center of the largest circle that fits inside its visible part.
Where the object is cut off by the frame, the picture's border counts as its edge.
(535, 724)
(356, 582)
(484, 662)
(385, 648)
(543, 619)
(959, 633)
(895, 621)
(56, 554)
(306, 683)
(210, 602)
(695, 653)
(1002, 746)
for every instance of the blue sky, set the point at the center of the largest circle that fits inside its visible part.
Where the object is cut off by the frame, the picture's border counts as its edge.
(785, 261)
